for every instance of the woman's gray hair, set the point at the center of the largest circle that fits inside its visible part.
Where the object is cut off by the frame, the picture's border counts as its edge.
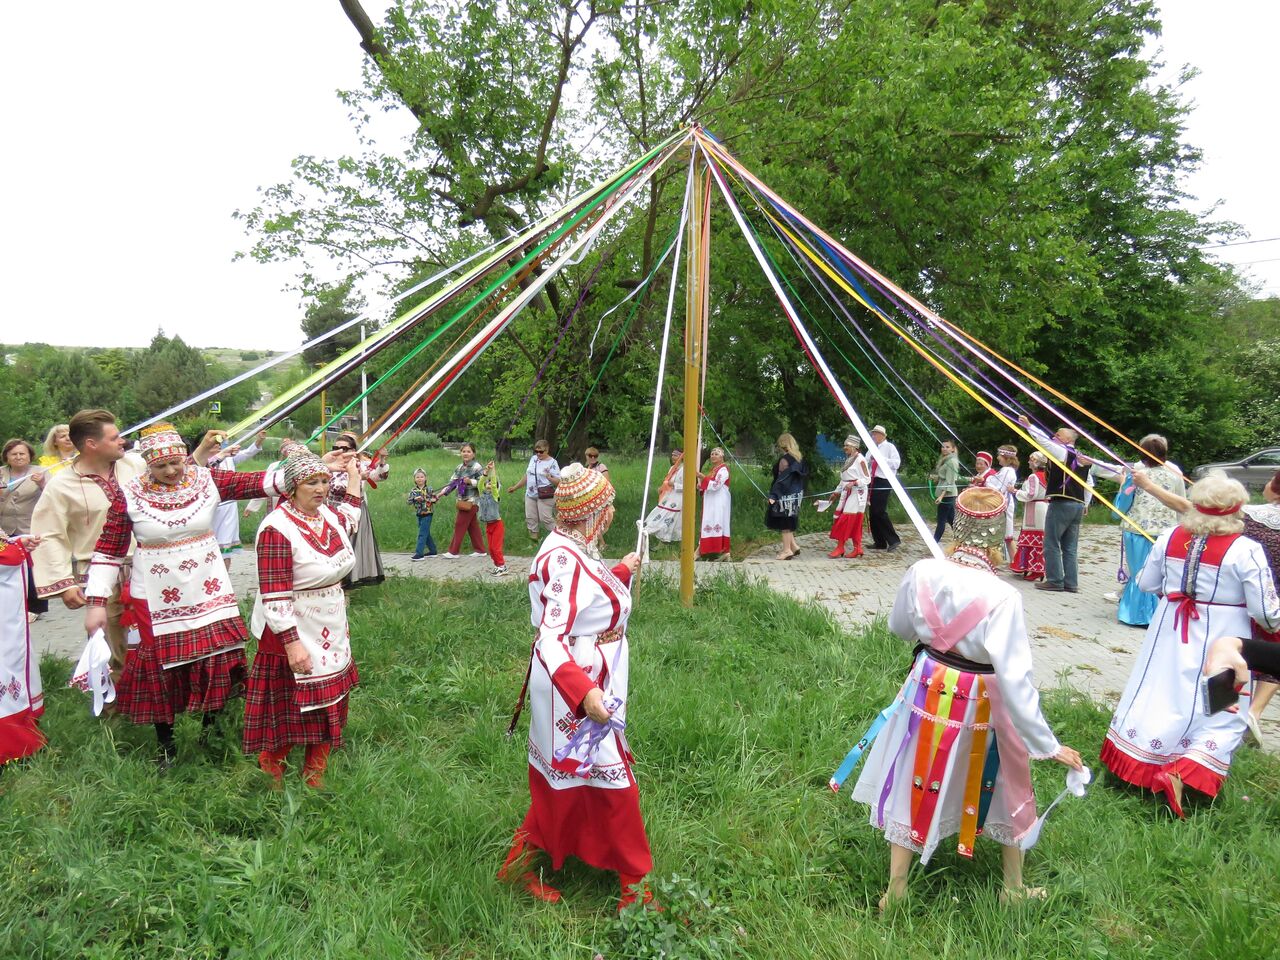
(1216, 491)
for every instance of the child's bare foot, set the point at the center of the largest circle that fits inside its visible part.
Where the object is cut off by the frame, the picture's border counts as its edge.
(896, 894)
(1015, 895)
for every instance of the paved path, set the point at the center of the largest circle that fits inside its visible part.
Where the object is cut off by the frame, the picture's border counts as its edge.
(1075, 637)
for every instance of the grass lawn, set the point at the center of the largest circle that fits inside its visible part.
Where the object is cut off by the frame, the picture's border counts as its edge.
(397, 527)
(740, 710)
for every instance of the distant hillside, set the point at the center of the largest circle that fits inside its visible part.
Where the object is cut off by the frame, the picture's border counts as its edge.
(234, 359)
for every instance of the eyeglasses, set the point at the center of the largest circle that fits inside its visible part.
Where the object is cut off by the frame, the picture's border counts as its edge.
(343, 449)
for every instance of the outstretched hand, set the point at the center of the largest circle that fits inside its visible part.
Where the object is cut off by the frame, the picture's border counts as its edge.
(1224, 654)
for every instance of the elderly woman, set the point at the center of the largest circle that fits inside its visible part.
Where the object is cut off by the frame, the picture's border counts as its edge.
(304, 670)
(586, 808)
(783, 513)
(663, 521)
(191, 654)
(368, 569)
(21, 484)
(1211, 581)
(1028, 557)
(850, 500)
(59, 451)
(717, 505)
(1150, 513)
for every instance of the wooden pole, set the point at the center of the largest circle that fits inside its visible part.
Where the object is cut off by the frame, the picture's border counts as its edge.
(696, 298)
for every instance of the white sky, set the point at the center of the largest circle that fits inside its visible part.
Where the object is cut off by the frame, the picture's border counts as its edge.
(132, 136)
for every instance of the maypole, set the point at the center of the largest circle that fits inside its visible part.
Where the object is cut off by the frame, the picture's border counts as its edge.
(697, 300)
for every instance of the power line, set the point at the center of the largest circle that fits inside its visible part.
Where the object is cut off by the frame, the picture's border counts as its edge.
(1241, 243)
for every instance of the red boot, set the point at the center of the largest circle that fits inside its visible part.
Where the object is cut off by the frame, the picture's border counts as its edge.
(514, 868)
(314, 766)
(271, 762)
(633, 887)
(837, 552)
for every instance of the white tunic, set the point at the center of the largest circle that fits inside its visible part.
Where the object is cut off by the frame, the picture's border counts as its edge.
(1159, 719)
(717, 504)
(663, 521)
(1034, 494)
(855, 481)
(21, 693)
(579, 612)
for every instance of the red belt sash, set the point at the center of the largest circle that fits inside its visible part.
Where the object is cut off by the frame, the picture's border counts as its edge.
(1185, 610)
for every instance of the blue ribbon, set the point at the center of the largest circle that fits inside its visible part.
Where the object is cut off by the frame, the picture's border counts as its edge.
(853, 756)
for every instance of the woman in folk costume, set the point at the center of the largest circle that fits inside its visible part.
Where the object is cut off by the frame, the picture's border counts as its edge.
(956, 757)
(1137, 607)
(717, 504)
(304, 671)
(1007, 478)
(1028, 559)
(850, 500)
(180, 598)
(663, 521)
(21, 693)
(368, 567)
(581, 805)
(1212, 581)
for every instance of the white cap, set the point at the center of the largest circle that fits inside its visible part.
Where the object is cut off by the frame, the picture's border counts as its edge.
(879, 429)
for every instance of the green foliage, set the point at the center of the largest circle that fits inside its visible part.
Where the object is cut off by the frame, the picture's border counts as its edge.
(739, 710)
(690, 925)
(413, 441)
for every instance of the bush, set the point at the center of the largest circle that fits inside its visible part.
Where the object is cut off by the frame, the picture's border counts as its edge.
(415, 440)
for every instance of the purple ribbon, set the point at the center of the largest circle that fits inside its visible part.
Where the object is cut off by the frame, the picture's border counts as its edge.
(584, 745)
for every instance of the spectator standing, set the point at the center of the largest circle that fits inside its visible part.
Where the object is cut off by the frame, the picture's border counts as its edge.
(887, 464)
(21, 484)
(1066, 507)
(539, 482)
(789, 475)
(945, 475)
(490, 489)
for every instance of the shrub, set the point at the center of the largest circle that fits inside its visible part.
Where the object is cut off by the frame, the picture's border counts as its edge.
(416, 440)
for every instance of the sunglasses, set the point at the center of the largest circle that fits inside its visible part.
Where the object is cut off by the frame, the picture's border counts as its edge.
(343, 449)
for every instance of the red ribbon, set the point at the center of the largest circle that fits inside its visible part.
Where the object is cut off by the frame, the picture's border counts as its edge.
(1218, 511)
(1184, 613)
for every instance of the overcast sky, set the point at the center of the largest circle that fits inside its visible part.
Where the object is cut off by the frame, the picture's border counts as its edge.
(132, 136)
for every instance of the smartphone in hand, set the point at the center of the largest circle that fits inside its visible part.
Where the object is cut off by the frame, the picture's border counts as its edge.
(1219, 692)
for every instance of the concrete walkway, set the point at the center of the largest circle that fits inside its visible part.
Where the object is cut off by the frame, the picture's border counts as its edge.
(1076, 639)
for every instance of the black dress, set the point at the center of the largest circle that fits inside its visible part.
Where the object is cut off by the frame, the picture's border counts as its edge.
(786, 493)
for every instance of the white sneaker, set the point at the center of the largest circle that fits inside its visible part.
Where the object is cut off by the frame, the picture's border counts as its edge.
(1113, 597)
(500, 571)
(479, 553)
(449, 556)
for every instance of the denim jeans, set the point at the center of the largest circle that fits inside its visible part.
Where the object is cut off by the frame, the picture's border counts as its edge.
(424, 536)
(1061, 536)
(946, 515)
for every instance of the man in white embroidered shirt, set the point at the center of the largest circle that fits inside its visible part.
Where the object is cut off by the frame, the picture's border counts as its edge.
(883, 466)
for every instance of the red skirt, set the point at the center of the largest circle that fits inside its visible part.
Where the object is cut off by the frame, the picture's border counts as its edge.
(844, 527)
(600, 827)
(272, 720)
(147, 693)
(1029, 557)
(1193, 775)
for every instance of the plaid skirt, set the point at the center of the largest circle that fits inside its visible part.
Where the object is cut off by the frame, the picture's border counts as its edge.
(147, 693)
(272, 721)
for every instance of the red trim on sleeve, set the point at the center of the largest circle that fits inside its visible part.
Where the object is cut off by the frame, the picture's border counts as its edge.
(573, 684)
(623, 573)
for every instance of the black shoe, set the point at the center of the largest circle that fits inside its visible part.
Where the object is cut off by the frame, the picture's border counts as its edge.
(1051, 587)
(1071, 589)
(878, 546)
(892, 547)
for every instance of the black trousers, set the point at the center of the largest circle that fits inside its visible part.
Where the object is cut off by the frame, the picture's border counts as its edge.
(946, 515)
(882, 532)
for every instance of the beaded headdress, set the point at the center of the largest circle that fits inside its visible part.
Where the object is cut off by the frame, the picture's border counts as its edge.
(302, 466)
(980, 517)
(161, 442)
(581, 494)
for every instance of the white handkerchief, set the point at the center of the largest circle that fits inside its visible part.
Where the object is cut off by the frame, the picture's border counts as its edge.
(1077, 780)
(823, 505)
(93, 672)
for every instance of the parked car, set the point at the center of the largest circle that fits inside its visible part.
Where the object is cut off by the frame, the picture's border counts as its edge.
(1253, 471)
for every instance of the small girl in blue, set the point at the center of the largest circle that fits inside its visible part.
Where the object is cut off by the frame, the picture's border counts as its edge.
(423, 500)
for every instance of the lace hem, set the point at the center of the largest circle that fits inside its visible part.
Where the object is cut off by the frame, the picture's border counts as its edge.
(899, 834)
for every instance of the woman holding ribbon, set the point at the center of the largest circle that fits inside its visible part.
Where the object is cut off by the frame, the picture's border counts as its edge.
(303, 671)
(952, 753)
(1211, 581)
(663, 521)
(1028, 558)
(191, 654)
(850, 500)
(584, 801)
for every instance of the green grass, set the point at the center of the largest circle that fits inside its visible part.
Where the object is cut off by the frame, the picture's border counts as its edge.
(740, 709)
(397, 527)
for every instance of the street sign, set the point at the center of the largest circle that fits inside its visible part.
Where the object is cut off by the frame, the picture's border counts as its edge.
(328, 412)
(215, 406)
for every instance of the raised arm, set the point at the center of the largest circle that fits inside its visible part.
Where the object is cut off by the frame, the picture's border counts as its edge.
(246, 486)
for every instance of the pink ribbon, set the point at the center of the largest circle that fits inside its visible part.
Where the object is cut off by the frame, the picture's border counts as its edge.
(947, 635)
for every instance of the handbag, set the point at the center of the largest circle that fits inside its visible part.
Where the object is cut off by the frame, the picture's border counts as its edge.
(546, 491)
(466, 505)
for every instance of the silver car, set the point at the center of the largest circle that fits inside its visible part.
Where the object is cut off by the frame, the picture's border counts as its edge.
(1253, 471)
